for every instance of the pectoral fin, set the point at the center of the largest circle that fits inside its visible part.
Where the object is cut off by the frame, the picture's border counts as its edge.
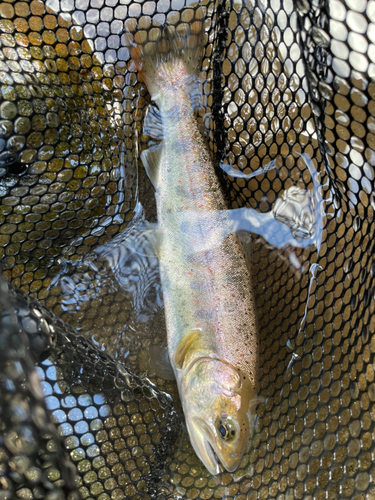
(158, 362)
(184, 346)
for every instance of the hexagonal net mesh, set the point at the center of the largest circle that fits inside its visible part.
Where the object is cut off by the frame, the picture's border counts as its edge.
(288, 105)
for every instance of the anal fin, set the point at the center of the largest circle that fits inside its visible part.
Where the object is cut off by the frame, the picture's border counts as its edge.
(151, 161)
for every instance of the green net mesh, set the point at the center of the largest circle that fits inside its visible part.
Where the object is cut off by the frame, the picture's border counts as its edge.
(281, 81)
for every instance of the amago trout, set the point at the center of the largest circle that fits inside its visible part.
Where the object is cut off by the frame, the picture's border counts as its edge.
(209, 305)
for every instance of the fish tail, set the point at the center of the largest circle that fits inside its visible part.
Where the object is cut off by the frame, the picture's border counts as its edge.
(174, 57)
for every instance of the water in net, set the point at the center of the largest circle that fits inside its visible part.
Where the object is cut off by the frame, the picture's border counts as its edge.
(287, 105)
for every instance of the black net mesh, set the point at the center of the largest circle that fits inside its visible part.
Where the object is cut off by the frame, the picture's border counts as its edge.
(117, 428)
(284, 84)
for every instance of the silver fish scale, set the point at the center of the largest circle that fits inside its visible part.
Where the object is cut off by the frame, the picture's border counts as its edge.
(279, 79)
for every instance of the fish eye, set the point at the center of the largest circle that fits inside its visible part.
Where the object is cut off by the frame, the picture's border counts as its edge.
(226, 430)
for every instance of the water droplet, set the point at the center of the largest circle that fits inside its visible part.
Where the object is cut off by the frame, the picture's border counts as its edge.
(354, 302)
(325, 90)
(127, 395)
(8, 158)
(362, 275)
(21, 440)
(303, 6)
(316, 109)
(365, 332)
(356, 223)
(320, 37)
(354, 390)
(348, 265)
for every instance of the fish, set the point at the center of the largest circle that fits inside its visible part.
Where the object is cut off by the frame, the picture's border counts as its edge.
(212, 331)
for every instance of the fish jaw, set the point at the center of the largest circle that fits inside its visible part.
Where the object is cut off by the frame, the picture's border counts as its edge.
(203, 448)
(213, 394)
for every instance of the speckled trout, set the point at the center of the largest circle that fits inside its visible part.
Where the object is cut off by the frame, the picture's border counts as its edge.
(209, 305)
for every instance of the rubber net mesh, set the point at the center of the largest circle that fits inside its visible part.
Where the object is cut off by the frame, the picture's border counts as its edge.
(287, 95)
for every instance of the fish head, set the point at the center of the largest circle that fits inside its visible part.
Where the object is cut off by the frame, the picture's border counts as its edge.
(219, 404)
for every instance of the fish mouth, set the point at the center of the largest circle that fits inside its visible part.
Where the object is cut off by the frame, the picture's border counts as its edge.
(205, 450)
(217, 466)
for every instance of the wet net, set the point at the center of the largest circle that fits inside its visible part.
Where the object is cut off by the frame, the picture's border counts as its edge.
(288, 106)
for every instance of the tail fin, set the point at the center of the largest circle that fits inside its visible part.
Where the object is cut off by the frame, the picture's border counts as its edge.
(158, 60)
